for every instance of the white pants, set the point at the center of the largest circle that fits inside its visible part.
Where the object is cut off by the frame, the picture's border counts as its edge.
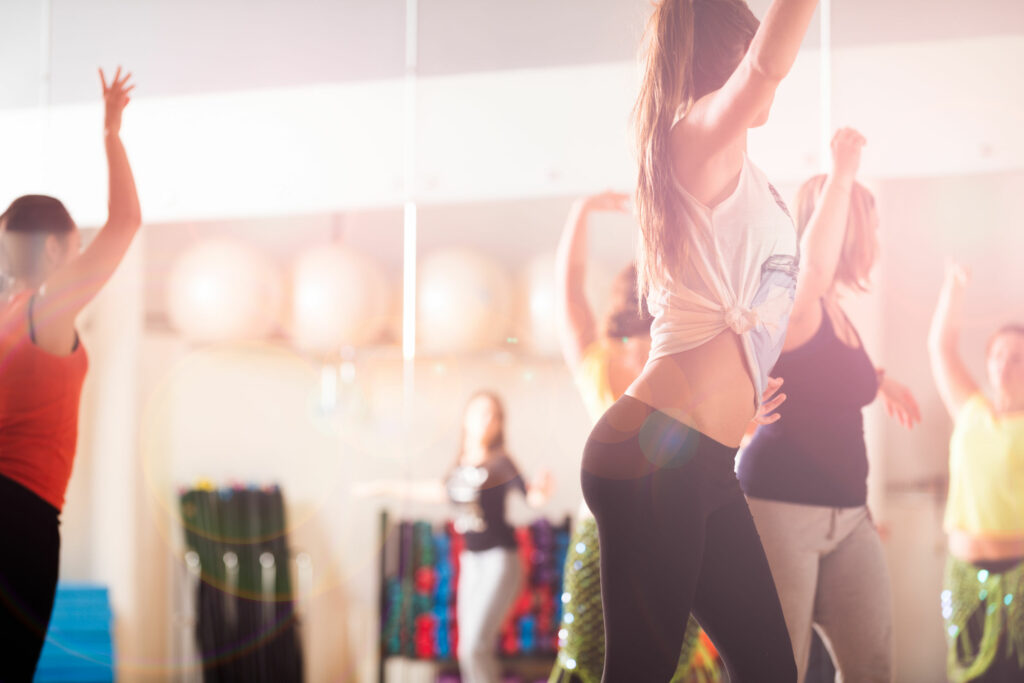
(489, 583)
(829, 570)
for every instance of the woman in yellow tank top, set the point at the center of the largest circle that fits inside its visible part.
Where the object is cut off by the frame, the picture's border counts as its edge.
(605, 358)
(983, 596)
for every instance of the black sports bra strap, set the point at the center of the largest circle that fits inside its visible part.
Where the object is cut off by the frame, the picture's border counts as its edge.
(31, 321)
(827, 320)
(32, 324)
(826, 326)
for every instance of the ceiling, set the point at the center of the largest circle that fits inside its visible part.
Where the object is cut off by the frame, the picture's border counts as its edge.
(179, 47)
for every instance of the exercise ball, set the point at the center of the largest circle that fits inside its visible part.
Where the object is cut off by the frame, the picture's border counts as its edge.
(538, 301)
(464, 302)
(224, 290)
(340, 297)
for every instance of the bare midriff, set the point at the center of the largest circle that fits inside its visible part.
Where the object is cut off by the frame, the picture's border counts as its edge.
(980, 548)
(708, 388)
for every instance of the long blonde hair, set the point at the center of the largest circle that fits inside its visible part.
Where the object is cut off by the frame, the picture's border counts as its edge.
(860, 244)
(681, 65)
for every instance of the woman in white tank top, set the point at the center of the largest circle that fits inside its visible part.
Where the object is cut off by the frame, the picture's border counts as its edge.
(717, 261)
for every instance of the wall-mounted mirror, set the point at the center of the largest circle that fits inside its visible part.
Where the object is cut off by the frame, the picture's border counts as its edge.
(360, 216)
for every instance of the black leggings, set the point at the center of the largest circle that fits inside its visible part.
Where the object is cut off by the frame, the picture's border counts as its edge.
(29, 561)
(676, 535)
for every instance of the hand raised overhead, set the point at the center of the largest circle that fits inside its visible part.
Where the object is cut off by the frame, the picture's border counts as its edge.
(847, 144)
(115, 99)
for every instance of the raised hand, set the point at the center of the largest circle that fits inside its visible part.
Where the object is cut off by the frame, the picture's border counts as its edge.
(847, 144)
(900, 403)
(957, 276)
(770, 401)
(607, 201)
(115, 99)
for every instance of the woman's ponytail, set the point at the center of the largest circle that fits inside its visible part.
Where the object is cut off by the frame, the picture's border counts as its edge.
(665, 93)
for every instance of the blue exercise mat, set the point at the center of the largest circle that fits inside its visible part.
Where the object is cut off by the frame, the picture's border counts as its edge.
(79, 645)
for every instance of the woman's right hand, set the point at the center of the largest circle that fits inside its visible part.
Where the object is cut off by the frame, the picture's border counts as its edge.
(846, 148)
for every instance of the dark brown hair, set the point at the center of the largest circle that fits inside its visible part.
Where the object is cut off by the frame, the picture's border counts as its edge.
(35, 218)
(860, 244)
(627, 314)
(498, 442)
(37, 213)
(692, 48)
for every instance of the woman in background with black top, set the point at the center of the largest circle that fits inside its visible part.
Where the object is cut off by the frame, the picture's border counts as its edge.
(805, 475)
(490, 572)
(43, 365)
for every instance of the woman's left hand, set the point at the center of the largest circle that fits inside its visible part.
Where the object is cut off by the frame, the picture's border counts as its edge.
(770, 401)
(115, 99)
(900, 403)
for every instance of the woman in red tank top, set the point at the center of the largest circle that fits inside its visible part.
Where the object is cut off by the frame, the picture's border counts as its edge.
(42, 368)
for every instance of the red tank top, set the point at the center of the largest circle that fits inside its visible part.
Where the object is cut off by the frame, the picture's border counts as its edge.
(39, 397)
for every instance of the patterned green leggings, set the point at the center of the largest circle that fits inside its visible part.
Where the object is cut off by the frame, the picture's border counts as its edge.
(581, 637)
(984, 614)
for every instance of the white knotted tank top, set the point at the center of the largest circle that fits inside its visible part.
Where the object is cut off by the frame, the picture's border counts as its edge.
(738, 273)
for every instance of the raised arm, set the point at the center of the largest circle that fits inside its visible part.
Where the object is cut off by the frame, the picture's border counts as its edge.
(416, 491)
(577, 326)
(718, 118)
(951, 376)
(822, 241)
(67, 291)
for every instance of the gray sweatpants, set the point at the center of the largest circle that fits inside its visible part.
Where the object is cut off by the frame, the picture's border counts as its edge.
(829, 570)
(489, 582)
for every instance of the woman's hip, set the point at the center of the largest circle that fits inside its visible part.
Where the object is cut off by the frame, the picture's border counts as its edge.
(641, 455)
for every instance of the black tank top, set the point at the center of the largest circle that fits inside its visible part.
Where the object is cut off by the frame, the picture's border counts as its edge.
(479, 493)
(815, 453)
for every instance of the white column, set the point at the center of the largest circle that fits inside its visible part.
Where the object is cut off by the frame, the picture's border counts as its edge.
(110, 415)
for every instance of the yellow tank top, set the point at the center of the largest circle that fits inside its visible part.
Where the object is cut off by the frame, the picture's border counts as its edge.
(986, 472)
(593, 382)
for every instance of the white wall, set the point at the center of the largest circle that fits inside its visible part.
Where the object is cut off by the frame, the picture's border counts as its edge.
(927, 108)
(98, 524)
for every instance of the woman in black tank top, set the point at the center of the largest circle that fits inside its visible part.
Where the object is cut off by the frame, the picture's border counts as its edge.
(805, 475)
(478, 484)
(827, 384)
